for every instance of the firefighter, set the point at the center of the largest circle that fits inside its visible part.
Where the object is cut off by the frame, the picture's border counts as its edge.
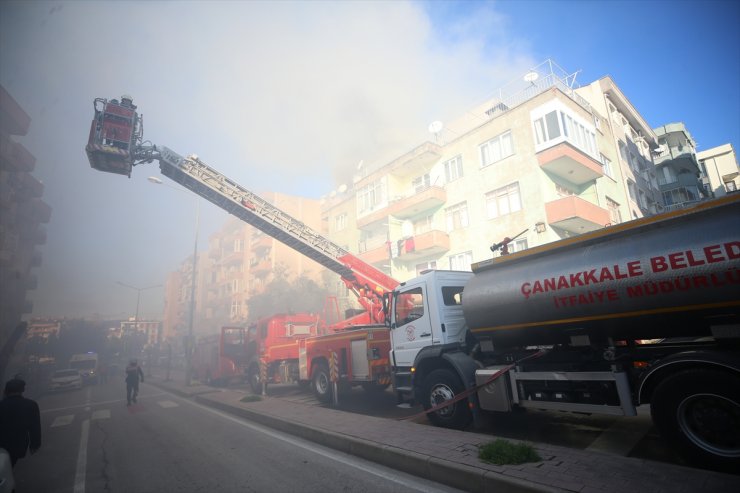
(133, 375)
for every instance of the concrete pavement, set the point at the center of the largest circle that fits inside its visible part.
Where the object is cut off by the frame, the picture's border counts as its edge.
(451, 457)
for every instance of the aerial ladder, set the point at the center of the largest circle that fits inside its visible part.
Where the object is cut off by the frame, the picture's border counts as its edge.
(116, 145)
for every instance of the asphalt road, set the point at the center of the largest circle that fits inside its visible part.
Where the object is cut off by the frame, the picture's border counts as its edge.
(93, 442)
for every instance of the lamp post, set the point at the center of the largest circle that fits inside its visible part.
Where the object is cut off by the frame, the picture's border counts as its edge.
(191, 314)
(138, 299)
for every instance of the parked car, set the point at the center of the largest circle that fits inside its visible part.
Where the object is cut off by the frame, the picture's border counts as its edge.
(7, 484)
(66, 379)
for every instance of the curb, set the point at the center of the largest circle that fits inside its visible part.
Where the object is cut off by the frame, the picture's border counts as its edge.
(461, 476)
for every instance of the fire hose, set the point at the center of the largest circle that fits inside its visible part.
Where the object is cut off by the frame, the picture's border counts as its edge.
(472, 390)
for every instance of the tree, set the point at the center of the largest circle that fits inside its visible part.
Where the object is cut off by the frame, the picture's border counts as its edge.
(285, 295)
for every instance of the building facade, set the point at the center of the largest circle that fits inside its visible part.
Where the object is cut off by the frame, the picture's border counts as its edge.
(720, 171)
(22, 216)
(679, 175)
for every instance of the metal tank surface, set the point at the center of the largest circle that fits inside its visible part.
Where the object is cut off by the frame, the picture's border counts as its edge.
(672, 275)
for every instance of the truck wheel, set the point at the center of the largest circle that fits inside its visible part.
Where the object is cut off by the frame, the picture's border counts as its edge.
(699, 411)
(255, 383)
(322, 387)
(439, 386)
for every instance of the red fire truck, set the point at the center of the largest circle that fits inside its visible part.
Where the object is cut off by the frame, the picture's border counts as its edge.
(282, 348)
(219, 359)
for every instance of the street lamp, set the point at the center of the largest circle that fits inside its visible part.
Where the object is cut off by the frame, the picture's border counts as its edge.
(191, 316)
(138, 298)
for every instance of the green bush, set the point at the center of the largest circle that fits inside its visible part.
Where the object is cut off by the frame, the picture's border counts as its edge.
(251, 398)
(502, 452)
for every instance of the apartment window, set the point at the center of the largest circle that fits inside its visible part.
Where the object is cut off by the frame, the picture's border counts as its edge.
(461, 261)
(730, 186)
(453, 169)
(504, 200)
(631, 189)
(614, 216)
(623, 151)
(518, 246)
(370, 197)
(606, 165)
(235, 286)
(643, 200)
(681, 195)
(667, 176)
(425, 266)
(422, 225)
(496, 149)
(234, 309)
(421, 183)
(553, 126)
(238, 245)
(340, 221)
(457, 216)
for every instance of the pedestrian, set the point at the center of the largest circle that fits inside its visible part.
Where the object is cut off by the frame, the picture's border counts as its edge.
(20, 422)
(133, 375)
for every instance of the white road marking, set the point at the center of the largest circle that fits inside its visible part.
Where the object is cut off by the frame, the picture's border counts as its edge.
(81, 471)
(167, 404)
(101, 414)
(63, 420)
(93, 404)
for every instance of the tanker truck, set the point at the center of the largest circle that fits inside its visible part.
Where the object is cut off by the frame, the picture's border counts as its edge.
(642, 313)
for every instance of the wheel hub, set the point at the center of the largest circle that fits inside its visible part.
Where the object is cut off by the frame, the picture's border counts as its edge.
(712, 422)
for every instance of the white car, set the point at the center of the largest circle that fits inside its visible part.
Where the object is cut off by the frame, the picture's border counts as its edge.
(7, 484)
(66, 379)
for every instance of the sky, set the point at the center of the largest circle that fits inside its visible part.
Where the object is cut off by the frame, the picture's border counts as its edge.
(291, 96)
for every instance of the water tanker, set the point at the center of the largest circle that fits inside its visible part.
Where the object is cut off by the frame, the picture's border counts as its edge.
(642, 313)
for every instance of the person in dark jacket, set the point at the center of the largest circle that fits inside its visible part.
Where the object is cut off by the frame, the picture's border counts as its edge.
(133, 375)
(20, 422)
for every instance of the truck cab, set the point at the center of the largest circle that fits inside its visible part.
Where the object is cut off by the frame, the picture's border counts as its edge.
(425, 312)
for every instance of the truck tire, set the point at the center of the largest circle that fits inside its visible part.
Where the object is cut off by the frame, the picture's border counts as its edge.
(439, 386)
(255, 382)
(699, 411)
(322, 387)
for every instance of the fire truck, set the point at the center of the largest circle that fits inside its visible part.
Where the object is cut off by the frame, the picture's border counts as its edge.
(283, 348)
(219, 359)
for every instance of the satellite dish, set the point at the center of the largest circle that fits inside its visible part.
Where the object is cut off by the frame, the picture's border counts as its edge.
(342, 188)
(531, 76)
(435, 126)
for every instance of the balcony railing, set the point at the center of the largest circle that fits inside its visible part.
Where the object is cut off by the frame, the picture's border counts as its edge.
(405, 206)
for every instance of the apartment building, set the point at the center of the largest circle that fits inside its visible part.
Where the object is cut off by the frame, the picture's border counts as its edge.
(22, 216)
(678, 167)
(720, 171)
(239, 262)
(542, 161)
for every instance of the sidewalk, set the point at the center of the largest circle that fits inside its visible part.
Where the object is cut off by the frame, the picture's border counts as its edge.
(451, 457)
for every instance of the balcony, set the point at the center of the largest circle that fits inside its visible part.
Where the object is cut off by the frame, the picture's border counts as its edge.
(260, 267)
(569, 163)
(403, 207)
(575, 215)
(376, 254)
(261, 244)
(427, 244)
(416, 161)
(17, 156)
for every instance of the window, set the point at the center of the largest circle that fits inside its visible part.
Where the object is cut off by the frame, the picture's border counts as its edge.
(238, 245)
(425, 266)
(730, 186)
(606, 165)
(340, 221)
(681, 195)
(370, 197)
(457, 216)
(496, 149)
(453, 169)
(623, 151)
(563, 191)
(631, 189)
(614, 215)
(452, 295)
(667, 176)
(518, 246)
(461, 261)
(234, 309)
(235, 286)
(558, 125)
(504, 200)
(409, 306)
(422, 225)
(421, 183)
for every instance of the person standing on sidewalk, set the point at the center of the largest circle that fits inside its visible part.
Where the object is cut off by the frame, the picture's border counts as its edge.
(20, 422)
(133, 375)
